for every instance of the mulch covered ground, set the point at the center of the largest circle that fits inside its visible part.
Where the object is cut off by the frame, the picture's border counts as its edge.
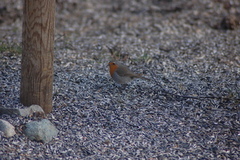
(188, 49)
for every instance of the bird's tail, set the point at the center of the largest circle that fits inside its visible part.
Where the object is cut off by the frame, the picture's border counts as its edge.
(144, 78)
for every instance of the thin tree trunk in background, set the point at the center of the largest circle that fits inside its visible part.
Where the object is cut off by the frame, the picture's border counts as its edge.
(37, 54)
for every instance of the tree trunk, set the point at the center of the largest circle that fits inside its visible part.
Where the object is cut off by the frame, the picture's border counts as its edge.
(37, 54)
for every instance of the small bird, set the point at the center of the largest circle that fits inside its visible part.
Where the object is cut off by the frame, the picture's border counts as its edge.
(121, 74)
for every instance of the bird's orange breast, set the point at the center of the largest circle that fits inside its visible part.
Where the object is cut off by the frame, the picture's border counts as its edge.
(112, 68)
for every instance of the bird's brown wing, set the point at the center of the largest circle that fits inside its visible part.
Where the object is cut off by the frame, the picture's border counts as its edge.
(126, 72)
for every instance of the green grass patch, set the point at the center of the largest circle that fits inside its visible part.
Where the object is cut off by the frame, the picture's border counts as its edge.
(10, 48)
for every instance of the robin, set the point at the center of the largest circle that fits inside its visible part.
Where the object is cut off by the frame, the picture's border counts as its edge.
(121, 74)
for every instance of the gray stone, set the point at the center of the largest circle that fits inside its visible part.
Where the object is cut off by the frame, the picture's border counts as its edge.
(9, 111)
(28, 111)
(7, 128)
(42, 131)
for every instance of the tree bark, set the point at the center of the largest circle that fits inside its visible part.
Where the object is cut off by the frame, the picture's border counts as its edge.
(37, 55)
